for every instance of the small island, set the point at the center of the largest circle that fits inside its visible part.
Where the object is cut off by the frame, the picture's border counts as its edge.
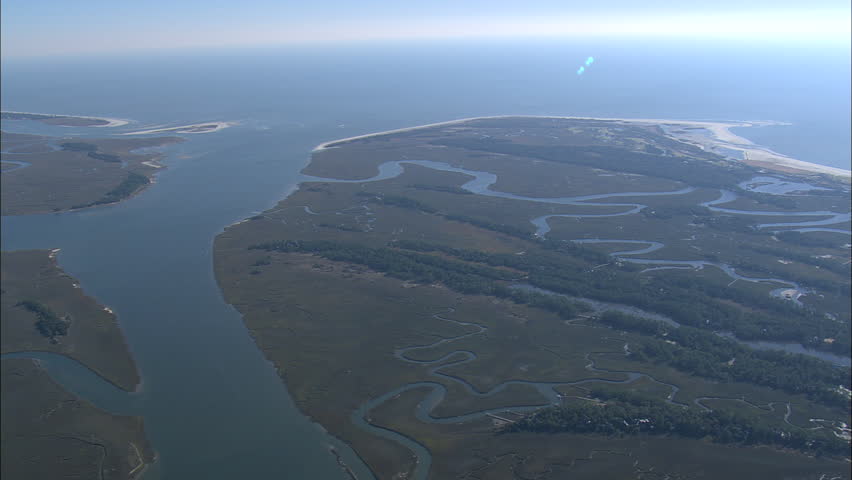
(42, 174)
(47, 431)
(456, 300)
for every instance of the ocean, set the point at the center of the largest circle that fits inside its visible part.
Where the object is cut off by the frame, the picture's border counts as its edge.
(214, 408)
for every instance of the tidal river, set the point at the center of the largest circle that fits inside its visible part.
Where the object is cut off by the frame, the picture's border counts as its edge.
(214, 408)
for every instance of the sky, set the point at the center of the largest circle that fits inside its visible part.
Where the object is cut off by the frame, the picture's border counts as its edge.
(61, 27)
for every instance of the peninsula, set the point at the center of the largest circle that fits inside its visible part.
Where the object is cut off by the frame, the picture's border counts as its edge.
(64, 120)
(464, 299)
(47, 431)
(43, 174)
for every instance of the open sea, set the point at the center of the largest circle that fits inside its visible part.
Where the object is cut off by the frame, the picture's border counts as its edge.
(213, 407)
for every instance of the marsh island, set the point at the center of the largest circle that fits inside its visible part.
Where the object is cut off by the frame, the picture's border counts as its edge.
(548, 297)
(49, 432)
(42, 174)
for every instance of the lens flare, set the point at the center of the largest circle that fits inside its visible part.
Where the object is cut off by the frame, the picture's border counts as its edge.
(589, 62)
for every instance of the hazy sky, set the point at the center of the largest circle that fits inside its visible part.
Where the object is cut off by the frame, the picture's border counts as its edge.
(47, 27)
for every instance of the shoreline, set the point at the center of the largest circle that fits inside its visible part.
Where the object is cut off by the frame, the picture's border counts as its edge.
(720, 136)
(182, 128)
(111, 122)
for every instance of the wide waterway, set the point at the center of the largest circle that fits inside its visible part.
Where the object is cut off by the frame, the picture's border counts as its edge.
(214, 407)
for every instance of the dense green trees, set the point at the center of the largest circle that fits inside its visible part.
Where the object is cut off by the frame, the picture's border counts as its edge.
(703, 353)
(412, 204)
(689, 300)
(628, 414)
(397, 201)
(440, 188)
(78, 147)
(697, 350)
(461, 276)
(92, 151)
(107, 157)
(699, 172)
(127, 187)
(798, 238)
(48, 323)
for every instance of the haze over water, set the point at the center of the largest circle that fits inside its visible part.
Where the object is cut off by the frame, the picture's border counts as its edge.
(363, 88)
(213, 407)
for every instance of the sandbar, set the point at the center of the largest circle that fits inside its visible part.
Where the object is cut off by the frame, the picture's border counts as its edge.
(209, 127)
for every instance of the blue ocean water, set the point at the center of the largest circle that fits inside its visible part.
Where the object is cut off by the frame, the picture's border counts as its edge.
(213, 407)
(356, 89)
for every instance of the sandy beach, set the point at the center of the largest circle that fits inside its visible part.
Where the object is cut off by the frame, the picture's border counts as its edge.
(710, 136)
(213, 127)
(111, 122)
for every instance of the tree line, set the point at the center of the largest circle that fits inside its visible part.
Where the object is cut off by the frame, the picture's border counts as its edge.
(702, 353)
(624, 413)
(48, 324)
(131, 183)
(699, 352)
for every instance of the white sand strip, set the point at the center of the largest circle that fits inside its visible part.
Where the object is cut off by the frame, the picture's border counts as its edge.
(719, 136)
(111, 122)
(214, 127)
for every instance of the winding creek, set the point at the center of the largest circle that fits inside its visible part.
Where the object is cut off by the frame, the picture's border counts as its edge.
(150, 235)
(481, 183)
(437, 391)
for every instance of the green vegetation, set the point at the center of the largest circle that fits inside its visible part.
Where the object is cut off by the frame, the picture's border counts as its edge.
(689, 300)
(441, 188)
(397, 201)
(81, 173)
(699, 172)
(91, 151)
(460, 276)
(831, 265)
(79, 146)
(780, 201)
(127, 187)
(493, 226)
(342, 293)
(107, 157)
(630, 414)
(801, 239)
(699, 352)
(411, 204)
(48, 432)
(48, 324)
